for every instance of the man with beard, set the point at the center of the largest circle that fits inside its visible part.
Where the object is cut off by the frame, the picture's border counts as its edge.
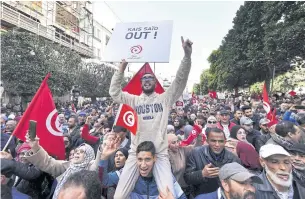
(297, 152)
(236, 183)
(152, 110)
(277, 174)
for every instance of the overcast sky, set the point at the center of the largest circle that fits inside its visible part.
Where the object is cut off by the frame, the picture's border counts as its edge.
(205, 23)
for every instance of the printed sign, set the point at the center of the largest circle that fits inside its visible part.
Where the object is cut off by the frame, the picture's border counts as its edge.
(140, 42)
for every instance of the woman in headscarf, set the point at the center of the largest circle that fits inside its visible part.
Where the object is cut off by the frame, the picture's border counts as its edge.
(239, 133)
(83, 159)
(244, 150)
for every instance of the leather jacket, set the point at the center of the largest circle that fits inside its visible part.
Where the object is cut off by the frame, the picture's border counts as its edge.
(200, 157)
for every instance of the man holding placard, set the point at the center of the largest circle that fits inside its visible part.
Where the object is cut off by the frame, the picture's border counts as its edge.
(152, 110)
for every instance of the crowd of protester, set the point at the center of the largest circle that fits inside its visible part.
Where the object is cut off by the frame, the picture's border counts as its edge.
(211, 149)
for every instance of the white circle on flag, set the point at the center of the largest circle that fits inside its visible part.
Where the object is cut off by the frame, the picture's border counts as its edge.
(266, 107)
(128, 118)
(49, 126)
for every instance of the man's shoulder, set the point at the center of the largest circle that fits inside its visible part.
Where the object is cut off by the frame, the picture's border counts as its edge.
(212, 195)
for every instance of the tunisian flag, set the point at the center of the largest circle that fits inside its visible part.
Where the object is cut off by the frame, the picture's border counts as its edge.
(213, 94)
(134, 85)
(42, 109)
(127, 118)
(266, 104)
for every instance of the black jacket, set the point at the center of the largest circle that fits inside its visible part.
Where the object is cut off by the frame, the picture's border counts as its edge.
(253, 136)
(265, 191)
(200, 157)
(31, 181)
(261, 140)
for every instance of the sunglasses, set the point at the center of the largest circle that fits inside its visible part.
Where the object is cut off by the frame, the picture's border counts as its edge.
(212, 122)
(149, 78)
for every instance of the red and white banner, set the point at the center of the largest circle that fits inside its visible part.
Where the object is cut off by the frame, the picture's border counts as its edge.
(127, 118)
(42, 109)
(266, 104)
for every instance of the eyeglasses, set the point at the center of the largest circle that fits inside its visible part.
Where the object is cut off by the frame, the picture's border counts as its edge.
(147, 78)
(205, 112)
(212, 122)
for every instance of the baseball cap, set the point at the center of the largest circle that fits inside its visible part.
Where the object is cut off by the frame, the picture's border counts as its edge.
(224, 111)
(245, 120)
(264, 121)
(272, 149)
(237, 173)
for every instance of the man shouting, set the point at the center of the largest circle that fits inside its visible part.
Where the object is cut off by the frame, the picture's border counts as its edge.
(152, 110)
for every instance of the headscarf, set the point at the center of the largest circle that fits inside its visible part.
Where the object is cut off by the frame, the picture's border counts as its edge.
(73, 168)
(233, 132)
(248, 156)
(24, 146)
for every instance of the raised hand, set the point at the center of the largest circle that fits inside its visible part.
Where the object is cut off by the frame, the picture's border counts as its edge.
(88, 119)
(187, 47)
(123, 65)
(196, 123)
(34, 144)
(110, 147)
(5, 155)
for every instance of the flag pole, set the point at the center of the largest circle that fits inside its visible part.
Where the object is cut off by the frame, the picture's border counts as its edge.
(8, 142)
(116, 117)
(155, 68)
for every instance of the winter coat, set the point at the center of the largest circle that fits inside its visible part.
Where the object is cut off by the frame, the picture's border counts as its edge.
(266, 191)
(31, 180)
(56, 168)
(200, 157)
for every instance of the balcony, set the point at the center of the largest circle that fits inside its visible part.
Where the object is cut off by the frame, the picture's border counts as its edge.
(17, 19)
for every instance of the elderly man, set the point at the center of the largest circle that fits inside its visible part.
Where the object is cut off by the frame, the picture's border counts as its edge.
(277, 174)
(236, 183)
(297, 152)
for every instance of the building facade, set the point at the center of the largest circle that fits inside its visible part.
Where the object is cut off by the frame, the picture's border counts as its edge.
(68, 23)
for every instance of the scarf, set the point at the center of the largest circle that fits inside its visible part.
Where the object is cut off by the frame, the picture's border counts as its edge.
(217, 158)
(73, 168)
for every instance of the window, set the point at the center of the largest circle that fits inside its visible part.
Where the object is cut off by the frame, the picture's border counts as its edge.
(99, 53)
(107, 39)
(98, 34)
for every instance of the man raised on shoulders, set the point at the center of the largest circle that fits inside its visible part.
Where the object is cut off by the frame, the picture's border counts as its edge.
(152, 110)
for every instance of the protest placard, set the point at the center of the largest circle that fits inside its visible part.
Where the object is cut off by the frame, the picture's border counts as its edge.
(140, 42)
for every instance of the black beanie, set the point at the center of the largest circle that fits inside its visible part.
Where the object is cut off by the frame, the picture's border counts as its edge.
(124, 151)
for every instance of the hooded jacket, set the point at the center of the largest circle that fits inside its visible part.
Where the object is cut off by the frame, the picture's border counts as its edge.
(152, 110)
(200, 157)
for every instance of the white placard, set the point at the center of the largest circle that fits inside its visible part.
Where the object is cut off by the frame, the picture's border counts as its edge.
(140, 42)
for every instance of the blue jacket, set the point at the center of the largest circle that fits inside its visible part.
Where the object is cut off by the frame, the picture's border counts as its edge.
(144, 186)
(288, 116)
(213, 195)
(18, 195)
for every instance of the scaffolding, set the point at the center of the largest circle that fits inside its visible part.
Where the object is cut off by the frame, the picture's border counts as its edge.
(68, 23)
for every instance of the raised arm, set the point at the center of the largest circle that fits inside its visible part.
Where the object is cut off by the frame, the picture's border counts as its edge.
(41, 159)
(176, 89)
(115, 90)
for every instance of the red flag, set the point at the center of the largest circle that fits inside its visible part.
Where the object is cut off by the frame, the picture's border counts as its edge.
(266, 103)
(134, 86)
(42, 109)
(127, 118)
(73, 108)
(213, 94)
(292, 93)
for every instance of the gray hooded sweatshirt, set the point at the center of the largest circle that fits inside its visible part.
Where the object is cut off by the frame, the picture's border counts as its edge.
(152, 110)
